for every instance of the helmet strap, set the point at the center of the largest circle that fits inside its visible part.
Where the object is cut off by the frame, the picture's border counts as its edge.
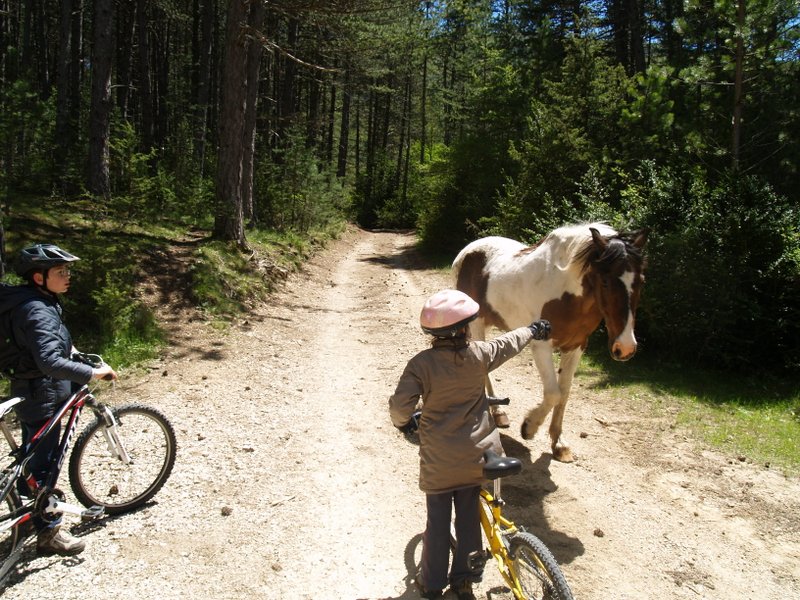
(42, 286)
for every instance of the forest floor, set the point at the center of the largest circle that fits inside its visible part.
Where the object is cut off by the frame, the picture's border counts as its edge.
(291, 482)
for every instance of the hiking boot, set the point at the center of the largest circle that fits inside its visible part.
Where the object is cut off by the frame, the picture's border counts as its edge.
(425, 592)
(55, 541)
(463, 590)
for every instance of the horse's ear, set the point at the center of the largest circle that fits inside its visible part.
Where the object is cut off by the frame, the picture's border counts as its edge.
(599, 240)
(640, 238)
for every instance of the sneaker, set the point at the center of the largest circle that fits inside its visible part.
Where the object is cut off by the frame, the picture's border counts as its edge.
(463, 590)
(425, 592)
(55, 541)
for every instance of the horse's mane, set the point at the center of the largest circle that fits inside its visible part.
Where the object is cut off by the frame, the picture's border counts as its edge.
(620, 247)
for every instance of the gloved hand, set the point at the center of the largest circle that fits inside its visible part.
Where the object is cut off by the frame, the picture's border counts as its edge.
(412, 425)
(540, 329)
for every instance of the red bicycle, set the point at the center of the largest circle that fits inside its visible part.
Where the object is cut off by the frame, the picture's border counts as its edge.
(118, 463)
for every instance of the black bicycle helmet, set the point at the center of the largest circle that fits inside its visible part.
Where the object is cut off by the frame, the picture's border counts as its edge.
(42, 256)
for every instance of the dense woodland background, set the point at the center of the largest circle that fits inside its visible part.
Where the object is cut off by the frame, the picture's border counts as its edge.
(459, 118)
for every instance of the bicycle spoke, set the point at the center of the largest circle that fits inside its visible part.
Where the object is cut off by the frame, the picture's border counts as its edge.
(100, 477)
(536, 570)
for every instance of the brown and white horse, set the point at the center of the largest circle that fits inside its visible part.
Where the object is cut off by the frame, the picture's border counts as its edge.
(576, 277)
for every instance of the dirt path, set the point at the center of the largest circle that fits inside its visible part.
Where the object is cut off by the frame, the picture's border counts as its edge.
(292, 483)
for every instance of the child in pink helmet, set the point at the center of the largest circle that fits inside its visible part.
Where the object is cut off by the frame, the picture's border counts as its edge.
(455, 429)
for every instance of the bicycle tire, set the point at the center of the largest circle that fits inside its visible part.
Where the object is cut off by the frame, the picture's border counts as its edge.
(98, 478)
(10, 538)
(538, 573)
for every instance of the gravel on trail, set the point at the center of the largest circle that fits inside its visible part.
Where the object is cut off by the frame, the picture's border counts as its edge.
(291, 482)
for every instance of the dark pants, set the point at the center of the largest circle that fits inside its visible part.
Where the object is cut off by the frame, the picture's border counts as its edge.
(436, 539)
(39, 465)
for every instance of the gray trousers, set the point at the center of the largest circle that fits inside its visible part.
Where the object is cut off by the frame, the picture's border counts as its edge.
(436, 539)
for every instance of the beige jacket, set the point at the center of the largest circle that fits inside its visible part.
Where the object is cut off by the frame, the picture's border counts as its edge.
(455, 427)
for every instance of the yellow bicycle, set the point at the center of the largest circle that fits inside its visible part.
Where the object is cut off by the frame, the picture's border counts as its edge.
(527, 566)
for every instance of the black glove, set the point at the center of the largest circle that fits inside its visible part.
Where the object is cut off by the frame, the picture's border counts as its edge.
(412, 425)
(540, 329)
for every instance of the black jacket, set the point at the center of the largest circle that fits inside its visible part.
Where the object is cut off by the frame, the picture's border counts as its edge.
(45, 373)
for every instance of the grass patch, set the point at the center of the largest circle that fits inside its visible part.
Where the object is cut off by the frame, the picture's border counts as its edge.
(754, 418)
(227, 281)
(101, 308)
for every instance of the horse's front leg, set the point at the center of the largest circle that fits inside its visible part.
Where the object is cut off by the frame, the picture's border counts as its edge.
(543, 357)
(568, 366)
(477, 331)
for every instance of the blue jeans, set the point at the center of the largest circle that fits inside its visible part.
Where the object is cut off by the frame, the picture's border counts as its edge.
(40, 463)
(436, 539)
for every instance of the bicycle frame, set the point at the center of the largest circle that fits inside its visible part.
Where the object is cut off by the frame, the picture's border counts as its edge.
(496, 533)
(71, 409)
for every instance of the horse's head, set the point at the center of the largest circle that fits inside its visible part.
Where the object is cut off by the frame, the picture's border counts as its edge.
(614, 268)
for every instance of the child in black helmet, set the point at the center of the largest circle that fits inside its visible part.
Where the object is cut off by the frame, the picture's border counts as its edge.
(454, 430)
(45, 374)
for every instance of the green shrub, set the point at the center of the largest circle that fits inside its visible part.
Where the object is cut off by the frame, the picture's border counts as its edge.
(128, 329)
(296, 192)
(723, 281)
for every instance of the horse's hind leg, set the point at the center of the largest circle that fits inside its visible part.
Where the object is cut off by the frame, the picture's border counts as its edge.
(569, 364)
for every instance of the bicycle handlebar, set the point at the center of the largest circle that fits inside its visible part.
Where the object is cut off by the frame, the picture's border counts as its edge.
(495, 401)
(413, 422)
(93, 360)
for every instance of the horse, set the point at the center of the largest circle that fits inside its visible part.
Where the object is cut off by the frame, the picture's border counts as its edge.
(577, 276)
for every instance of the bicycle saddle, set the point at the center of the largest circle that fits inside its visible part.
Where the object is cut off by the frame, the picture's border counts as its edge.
(6, 406)
(500, 466)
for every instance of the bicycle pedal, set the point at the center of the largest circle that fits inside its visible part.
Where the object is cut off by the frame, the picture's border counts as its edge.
(477, 560)
(92, 513)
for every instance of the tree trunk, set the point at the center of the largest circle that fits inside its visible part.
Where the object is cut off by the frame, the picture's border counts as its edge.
(358, 136)
(145, 76)
(229, 218)
(160, 61)
(98, 181)
(312, 115)
(66, 129)
(344, 128)
(422, 112)
(286, 108)
(254, 52)
(331, 125)
(205, 45)
(636, 16)
(404, 116)
(126, 32)
(736, 133)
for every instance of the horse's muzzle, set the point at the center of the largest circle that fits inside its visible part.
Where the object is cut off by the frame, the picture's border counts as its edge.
(622, 353)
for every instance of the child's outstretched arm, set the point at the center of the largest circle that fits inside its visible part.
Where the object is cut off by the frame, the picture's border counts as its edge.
(508, 345)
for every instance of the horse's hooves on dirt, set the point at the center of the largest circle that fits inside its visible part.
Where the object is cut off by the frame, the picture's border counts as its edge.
(527, 431)
(501, 420)
(563, 454)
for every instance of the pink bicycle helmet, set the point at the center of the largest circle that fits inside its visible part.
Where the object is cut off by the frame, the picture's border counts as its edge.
(446, 312)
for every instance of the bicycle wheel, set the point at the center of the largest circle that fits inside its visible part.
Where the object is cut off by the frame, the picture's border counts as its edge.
(100, 478)
(10, 537)
(538, 573)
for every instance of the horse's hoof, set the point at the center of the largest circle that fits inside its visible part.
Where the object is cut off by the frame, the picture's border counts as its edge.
(563, 454)
(501, 420)
(527, 431)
